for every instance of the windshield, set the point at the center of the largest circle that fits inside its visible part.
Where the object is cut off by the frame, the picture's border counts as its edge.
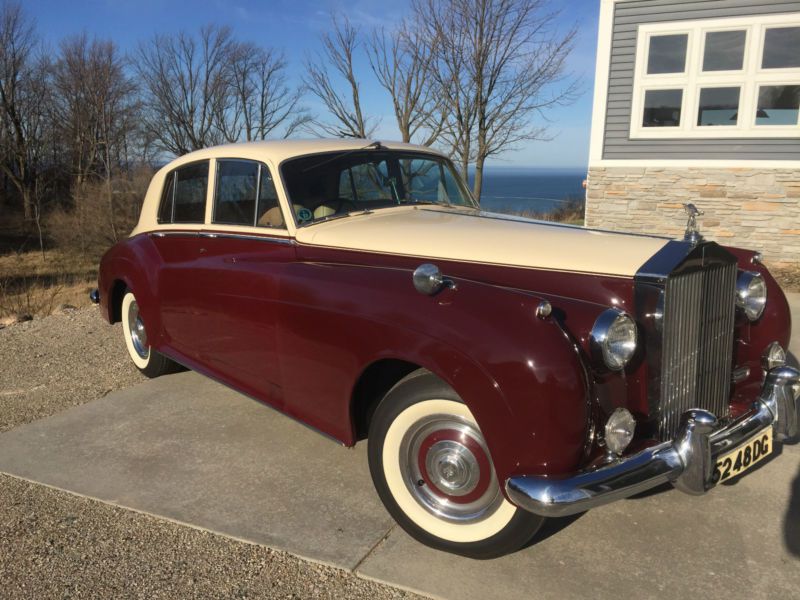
(326, 186)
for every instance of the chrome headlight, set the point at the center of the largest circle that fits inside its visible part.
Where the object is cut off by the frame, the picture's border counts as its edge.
(774, 356)
(751, 294)
(613, 338)
(620, 428)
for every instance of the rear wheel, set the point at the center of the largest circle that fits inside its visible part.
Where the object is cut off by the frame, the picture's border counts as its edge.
(433, 472)
(147, 360)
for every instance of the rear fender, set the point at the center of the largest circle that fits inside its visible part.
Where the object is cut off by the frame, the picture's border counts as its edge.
(122, 263)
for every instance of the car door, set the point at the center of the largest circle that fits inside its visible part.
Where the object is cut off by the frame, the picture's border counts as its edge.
(182, 210)
(242, 254)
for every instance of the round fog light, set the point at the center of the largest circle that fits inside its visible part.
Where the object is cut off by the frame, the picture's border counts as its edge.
(774, 356)
(619, 430)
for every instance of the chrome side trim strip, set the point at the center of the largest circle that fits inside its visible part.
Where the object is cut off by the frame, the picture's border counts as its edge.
(161, 234)
(244, 236)
(226, 235)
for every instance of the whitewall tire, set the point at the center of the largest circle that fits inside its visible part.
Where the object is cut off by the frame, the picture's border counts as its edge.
(432, 469)
(147, 360)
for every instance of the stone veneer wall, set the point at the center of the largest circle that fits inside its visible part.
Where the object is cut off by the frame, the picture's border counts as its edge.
(757, 208)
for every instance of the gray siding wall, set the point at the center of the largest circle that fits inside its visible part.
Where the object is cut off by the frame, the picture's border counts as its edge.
(627, 17)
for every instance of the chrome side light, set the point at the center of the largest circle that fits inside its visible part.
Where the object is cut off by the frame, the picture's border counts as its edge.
(774, 356)
(613, 339)
(751, 294)
(428, 279)
(620, 428)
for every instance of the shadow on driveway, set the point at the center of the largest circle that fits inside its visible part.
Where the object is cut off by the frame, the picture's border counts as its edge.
(791, 524)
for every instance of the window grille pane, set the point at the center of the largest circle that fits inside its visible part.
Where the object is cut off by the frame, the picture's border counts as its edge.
(718, 106)
(781, 48)
(662, 108)
(667, 54)
(778, 105)
(724, 51)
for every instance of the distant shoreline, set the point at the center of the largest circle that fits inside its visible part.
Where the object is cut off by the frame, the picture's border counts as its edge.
(525, 190)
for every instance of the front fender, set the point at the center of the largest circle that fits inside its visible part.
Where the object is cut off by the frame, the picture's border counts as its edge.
(521, 376)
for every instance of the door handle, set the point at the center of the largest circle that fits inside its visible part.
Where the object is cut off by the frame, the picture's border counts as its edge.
(202, 250)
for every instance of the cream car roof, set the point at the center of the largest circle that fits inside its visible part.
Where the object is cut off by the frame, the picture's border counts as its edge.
(270, 152)
(276, 151)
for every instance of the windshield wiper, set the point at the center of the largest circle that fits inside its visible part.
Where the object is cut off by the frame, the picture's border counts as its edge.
(355, 213)
(376, 145)
(323, 219)
(411, 201)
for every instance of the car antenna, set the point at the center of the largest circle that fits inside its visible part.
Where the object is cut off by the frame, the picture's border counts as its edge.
(375, 145)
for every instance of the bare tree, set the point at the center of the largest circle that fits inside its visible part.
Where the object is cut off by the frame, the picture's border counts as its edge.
(23, 96)
(96, 105)
(336, 60)
(401, 61)
(96, 113)
(499, 64)
(263, 102)
(450, 80)
(186, 84)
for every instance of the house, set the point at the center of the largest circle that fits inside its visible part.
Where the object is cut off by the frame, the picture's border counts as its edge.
(699, 101)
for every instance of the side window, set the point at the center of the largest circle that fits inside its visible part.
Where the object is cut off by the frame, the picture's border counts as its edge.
(190, 193)
(165, 208)
(235, 197)
(246, 195)
(269, 209)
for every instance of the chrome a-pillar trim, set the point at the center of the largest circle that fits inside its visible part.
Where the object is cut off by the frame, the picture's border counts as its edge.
(687, 461)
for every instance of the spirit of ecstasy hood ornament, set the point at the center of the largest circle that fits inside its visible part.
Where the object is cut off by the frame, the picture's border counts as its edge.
(692, 234)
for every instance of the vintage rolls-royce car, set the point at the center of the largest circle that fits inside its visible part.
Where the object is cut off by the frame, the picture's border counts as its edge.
(502, 370)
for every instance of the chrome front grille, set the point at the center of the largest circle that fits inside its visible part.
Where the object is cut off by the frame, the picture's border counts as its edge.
(697, 338)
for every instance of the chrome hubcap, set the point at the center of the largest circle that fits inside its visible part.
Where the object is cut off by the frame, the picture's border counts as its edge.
(452, 467)
(445, 465)
(138, 333)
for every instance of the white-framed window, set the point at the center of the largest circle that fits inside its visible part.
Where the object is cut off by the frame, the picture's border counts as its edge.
(718, 78)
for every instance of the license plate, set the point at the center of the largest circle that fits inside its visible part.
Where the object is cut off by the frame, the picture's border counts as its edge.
(737, 461)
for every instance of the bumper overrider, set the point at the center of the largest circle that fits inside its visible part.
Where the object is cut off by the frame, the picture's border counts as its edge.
(688, 461)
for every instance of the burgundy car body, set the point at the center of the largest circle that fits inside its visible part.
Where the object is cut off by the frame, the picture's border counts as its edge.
(300, 327)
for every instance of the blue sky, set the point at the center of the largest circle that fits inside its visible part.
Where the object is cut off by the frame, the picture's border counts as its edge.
(294, 26)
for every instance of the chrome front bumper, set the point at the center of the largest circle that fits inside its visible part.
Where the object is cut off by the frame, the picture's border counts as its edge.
(688, 461)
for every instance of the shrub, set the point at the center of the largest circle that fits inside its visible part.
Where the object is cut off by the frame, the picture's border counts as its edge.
(97, 220)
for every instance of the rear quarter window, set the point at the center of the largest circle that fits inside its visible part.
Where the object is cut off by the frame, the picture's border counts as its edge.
(183, 199)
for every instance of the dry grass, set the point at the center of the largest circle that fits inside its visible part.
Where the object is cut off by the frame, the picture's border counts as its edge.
(33, 285)
(570, 212)
(788, 277)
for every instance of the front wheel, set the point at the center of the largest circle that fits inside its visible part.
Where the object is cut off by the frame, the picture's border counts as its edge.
(432, 470)
(147, 360)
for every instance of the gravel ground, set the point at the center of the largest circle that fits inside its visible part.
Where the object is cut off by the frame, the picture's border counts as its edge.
(57, 545)
(60, 361)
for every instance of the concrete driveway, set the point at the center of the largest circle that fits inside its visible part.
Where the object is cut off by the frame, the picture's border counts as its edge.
(187, 449)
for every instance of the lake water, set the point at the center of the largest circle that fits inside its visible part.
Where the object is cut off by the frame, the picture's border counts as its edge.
(513, 189)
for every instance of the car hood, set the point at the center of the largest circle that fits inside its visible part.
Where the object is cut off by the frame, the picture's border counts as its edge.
(476, 236)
